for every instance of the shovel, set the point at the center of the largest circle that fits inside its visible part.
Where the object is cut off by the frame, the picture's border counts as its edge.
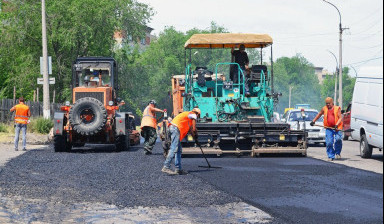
(209, 165)
(348, 130)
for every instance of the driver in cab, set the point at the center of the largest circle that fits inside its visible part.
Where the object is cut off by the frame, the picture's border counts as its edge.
(241, 58)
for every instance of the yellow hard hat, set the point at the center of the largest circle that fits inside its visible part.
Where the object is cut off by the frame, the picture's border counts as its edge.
(197, 110)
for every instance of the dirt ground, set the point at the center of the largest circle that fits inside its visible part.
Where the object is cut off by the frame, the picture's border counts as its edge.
(32, 138)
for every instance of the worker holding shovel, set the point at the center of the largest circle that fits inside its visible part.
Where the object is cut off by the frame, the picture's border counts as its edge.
(334, 125)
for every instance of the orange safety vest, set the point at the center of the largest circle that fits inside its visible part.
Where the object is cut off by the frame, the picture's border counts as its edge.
(149, 119)
(21, 116)
(336, 111)
(183, 123)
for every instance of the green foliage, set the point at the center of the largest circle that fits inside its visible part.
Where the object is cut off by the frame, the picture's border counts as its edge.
(298, 73)
(328, 87)
(74, 28)
(40, 125)
(147, 75)
(86, 27)
(3, 128)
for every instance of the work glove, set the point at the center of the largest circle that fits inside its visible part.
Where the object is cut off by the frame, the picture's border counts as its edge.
(312, 123)
(336, 127)
(196, 139)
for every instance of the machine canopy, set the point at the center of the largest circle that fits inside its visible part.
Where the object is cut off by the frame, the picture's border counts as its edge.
(228, 40)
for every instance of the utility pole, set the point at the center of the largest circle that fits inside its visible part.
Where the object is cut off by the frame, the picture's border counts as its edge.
(336, 72)
(341, 30)
(46, 102)
(290, 95)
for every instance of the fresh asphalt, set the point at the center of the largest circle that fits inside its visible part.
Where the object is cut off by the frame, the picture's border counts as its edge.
(290, 189)
(299, 190)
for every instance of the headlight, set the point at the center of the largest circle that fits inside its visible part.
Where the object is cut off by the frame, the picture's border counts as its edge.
(110, 103)
(67, 103)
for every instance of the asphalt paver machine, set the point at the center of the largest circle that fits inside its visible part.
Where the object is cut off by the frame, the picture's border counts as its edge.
(233, 120)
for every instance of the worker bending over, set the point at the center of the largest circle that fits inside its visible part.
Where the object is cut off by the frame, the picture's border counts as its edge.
(180, 126)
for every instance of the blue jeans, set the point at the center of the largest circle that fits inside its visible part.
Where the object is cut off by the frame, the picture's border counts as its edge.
(23, 128)
(175, 150)
(333, 140)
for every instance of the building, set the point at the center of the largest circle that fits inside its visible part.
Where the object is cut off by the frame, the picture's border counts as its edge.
(322, 74)
(121, 38)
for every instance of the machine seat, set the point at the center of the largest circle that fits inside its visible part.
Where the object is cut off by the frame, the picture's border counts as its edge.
(256, 71)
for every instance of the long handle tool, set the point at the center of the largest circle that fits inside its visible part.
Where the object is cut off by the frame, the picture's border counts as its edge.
(348, 130)
(209, 165)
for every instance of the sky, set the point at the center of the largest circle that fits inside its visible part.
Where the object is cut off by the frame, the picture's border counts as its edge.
(306, 27)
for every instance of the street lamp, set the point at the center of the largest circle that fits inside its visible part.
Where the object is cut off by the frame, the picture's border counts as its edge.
(354, 70)
(341, 29)
(337, 69)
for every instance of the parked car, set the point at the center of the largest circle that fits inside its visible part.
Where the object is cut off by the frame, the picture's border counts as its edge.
(347, 122)
(367, 112)
(316, 135)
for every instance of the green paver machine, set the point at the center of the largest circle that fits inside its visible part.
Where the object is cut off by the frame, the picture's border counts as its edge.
(231, 120)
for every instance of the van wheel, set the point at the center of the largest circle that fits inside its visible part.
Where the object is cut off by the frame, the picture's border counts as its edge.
(365, 148)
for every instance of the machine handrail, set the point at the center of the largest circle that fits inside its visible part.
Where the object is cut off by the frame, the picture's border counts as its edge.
(188, 68)
(240, 72)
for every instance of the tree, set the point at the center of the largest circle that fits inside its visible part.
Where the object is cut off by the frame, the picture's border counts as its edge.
(154, 68)
(300, 74)
(328, 87)
(74, 28)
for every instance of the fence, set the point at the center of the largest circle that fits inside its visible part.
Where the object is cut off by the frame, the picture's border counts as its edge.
(36, 109)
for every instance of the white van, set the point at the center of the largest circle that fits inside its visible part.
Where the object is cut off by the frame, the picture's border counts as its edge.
(367, 110)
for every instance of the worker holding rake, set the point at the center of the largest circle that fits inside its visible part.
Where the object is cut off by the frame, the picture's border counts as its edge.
(180, 126)
(334, 125)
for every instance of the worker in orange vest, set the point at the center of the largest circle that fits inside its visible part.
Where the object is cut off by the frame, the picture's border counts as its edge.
(180, 126)
(333, 124)
(21, 119)
(148, 126)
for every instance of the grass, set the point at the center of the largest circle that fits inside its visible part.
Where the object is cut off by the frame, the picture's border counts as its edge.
(40, 125)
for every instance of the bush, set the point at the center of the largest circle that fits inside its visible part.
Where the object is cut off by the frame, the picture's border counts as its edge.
(40, 125)
(3, 128)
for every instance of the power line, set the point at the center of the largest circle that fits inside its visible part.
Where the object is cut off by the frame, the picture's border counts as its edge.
(368, 17)
(360, 62)
(309, 35)
(365, 48)
(370, 27)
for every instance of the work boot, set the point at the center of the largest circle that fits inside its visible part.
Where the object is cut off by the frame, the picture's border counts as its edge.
(24, 149)
(338, 157)
(147, 152)
(181, 172)
(330, 159)
(16, 150)
(168, 171)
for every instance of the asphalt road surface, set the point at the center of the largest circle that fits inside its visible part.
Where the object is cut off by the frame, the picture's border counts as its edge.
(99, 186)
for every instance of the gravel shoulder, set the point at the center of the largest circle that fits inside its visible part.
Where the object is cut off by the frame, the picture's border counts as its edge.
(32, 139)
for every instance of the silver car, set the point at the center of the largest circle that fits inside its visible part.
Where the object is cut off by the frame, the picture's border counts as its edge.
(316, 135)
